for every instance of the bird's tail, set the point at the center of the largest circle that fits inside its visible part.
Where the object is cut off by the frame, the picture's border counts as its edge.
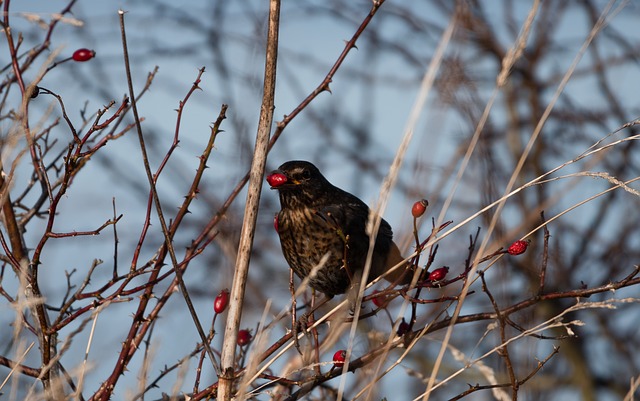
(403, 274)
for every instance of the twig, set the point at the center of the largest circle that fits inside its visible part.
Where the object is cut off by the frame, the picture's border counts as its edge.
(545, 255)
(17, 366)
(227, 359)
(503, 352)
(519, 383)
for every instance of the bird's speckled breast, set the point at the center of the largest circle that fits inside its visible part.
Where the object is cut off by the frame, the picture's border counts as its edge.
(305, 238)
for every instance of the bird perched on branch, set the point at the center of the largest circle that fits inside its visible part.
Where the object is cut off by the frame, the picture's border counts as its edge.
(320, 221)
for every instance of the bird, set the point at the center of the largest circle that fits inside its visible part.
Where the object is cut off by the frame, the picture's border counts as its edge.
(319, 222)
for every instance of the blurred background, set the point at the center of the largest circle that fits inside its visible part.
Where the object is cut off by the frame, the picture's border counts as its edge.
(352, 135)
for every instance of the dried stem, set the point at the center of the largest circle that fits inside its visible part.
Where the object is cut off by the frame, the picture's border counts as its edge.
(225, 390)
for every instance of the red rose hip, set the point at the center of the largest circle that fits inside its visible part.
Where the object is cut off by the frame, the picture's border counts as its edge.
(82, 55)
(439, 274)
(338, 358)
(221, 301)
(380, 301)
(419, 208)
(518, 247)
(244, 337)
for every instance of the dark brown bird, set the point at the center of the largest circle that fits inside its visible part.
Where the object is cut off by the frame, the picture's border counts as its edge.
(320, 219)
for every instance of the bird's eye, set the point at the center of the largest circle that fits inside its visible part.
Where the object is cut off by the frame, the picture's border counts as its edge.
(306, 174)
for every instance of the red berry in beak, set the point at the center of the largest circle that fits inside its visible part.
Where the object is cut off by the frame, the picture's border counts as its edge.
(276, 179)
(518, 247)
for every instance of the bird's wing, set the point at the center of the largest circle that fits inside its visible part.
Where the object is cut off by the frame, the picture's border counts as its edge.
(351, 219)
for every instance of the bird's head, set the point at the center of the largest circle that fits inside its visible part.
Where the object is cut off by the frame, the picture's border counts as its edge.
(298, 182)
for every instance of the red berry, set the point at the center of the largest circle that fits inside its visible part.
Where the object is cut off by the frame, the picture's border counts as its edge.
(275, 223)
(221, 302)
(83, 55)
(438, 274)
(244, 337)
(380, 301)
(338, 358)
(403, 328)
(419, 208)
(276, 179)
(518, 247)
